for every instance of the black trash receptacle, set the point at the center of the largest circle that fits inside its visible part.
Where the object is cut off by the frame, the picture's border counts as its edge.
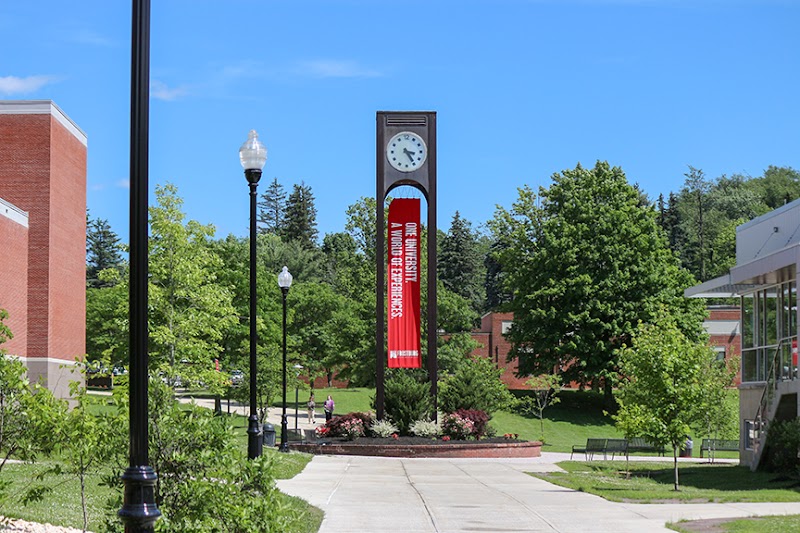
(268, 434)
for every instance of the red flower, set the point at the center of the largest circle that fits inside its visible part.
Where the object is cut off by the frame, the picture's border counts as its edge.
(446, 438)
(394, 436)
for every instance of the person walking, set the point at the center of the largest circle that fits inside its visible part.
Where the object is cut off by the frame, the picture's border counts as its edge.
(311, 405)
(328, 407)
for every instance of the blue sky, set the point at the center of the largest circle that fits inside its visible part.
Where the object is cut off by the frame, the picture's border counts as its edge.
(523, 89)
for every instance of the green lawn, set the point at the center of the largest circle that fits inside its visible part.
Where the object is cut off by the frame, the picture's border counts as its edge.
(653, 482)
(766, 524)
(578, 416)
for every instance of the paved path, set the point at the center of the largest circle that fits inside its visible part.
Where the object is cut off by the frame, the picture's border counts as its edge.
(273, 415)
(371, 494)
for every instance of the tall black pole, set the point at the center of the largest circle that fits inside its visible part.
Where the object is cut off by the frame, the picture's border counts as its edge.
(254, 441)
(284, 429)
(139, 511)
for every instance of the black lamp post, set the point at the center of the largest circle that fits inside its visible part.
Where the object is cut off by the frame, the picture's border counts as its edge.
(139, 511)
(253, 155)
(284, 282)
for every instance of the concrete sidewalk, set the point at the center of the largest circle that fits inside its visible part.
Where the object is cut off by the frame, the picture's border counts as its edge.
(371, 494)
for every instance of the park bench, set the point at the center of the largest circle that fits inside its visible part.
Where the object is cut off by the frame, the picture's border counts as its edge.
(639, 444)
(719, 445)
(592, 447)
(616, 446)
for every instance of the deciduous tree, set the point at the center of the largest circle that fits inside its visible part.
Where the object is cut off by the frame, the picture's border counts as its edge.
(666, 384)
(584, 269)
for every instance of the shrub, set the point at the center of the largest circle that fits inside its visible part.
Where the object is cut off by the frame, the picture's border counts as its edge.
(383, 428)
(406, 399)
(350, 426)
(475, 385)
(479, 419)
(425, 428)
(457, 427)
(784, 445)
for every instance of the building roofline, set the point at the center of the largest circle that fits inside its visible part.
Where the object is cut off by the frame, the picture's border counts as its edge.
(10, 211)
(766, 216)
(43, 107)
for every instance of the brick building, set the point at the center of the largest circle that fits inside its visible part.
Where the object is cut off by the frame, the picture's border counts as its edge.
(722, 326)
(43, 238)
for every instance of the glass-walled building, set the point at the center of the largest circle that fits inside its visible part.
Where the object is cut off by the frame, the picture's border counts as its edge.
(769, 332)
(765, 278)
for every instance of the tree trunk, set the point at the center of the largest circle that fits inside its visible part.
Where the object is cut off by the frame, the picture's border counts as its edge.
(609, 403)
(675, 461)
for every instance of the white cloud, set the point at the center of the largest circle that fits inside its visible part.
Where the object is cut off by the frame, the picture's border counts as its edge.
(331, 68)
(10, 85)
(124, 184)
(160, 91)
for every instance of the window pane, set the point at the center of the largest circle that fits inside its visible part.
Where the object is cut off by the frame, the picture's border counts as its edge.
(748, 317)
(749, 365)
(785, 309)
(792, 309)
(771, 315)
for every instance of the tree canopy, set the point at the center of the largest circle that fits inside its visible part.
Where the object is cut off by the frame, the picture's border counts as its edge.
(584, 268)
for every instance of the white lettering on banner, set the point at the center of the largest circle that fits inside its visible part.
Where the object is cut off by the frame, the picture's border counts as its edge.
(411, 252)
(394, 354)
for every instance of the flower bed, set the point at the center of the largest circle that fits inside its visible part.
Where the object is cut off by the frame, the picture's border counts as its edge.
(421, 447)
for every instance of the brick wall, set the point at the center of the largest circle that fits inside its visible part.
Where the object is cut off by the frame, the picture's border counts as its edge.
(43, 172)
(14, 277)
(67, 244)
(722, 319)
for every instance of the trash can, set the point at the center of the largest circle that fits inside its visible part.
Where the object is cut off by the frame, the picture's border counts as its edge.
(268, 434)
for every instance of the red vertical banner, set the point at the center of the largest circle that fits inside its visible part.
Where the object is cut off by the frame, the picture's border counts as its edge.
(403, 298)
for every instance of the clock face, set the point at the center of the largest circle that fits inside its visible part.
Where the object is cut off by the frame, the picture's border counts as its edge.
(406, 151)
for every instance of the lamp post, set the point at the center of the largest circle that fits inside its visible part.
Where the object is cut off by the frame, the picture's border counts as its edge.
(253, 155)
(297, 369)
(284, 282)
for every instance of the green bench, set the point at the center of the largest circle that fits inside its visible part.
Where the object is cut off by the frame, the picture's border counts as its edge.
(639, 444)
(592, 447)
(719, 445)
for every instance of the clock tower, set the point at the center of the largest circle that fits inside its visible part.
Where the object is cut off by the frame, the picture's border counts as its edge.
(405, 155)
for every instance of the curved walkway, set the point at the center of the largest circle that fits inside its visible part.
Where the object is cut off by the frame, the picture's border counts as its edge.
(371, 494)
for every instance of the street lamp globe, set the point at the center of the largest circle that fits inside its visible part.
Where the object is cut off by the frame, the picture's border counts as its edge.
(253, 153)
(284, 279)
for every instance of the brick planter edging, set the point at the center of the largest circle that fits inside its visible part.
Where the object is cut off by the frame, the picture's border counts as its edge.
(472, 450)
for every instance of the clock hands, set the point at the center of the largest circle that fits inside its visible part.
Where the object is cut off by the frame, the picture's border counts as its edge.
(409, 154)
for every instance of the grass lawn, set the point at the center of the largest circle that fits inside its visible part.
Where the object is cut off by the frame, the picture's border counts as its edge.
(765, 524)
(653, 482)
(578, 416)
(63, 507)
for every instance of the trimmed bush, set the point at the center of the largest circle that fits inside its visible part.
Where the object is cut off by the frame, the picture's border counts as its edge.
(479, 419)
(350, 426)
(406, 399)
(457, 427)
(476, 385)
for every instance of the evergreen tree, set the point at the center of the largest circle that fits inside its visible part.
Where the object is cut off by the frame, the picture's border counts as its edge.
(300, 217)
(102, 252)
(460, 266)
(272, 209)
(496, 293)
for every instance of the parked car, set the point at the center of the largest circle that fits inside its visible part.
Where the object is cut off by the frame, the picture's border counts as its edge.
(237, 378)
